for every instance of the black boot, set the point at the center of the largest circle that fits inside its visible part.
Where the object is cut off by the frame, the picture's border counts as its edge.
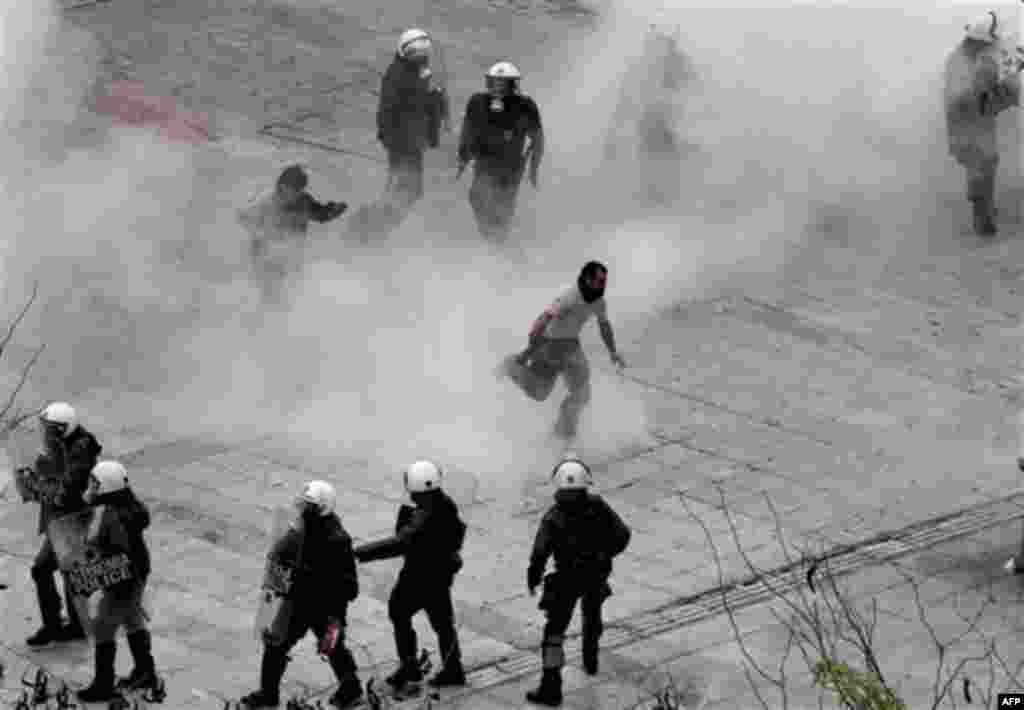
(271, 671)
(408, 673)
(590, 658)
(550, 691)
(350, 691)
(102, 688)
(143, 675)
(984, 219)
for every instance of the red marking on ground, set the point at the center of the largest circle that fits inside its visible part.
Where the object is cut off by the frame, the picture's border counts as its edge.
(129, 105)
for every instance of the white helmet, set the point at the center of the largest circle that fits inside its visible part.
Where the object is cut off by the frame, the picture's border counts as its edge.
(321, 495)
(571, 474)
(504, 70)
(414, 42)
(985, 29)
(110, 476)
(422, 476)
(61, 414)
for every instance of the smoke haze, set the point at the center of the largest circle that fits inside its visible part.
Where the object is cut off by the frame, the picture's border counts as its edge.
(799, 118)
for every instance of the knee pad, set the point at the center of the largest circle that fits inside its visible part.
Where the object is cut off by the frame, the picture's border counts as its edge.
(552, 653)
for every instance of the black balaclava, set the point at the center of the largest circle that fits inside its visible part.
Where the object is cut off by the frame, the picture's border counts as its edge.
(590, 269)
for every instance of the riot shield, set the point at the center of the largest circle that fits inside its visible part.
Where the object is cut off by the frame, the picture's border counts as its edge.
(276, 604)
(89, 566)
(22, 448)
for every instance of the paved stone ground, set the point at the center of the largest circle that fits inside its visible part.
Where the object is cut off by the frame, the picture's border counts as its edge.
(857, 405)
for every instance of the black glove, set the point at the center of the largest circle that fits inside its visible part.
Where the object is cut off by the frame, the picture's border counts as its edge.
(533, 580)
(336, 208)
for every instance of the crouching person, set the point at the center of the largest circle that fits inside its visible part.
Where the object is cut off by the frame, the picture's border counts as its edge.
(314, 559)
(116, 534)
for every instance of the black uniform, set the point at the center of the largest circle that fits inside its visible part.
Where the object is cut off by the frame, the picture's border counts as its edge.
(494, 134)
(124, 519)
(325, 582)
(409, 119)
(429, 536)
(583, 534)
(61, 478)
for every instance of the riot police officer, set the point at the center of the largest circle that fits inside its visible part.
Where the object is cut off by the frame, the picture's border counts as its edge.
(324, 582)
(59, 481)
(120, 531)
(582, 533)
(501, 133)
(429, 535)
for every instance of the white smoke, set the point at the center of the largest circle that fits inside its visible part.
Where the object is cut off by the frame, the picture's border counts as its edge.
(802, 118)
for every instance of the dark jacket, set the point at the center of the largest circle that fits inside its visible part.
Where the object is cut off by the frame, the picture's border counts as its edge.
(125, 518)
(582, 533)
(428, 535)
(268, 219)
(411, 109)
(326, 579)
(62, 476)
(497, 139)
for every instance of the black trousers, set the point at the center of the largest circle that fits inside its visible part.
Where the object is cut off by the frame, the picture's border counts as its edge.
(561, 592)
(275, 656)
(410, 596)
(43, 570)
(493, 196)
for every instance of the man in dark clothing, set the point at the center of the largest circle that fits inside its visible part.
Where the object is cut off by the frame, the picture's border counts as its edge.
(411, 112)
(583, 534)
(324, 582)
(409, 117)
(58, 482)
(429, 535)
(502, 127)
(278, 224)
(123, 518)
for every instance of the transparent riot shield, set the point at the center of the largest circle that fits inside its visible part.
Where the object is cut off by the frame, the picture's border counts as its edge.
(22, 448)
(89, 564)
(276, 604)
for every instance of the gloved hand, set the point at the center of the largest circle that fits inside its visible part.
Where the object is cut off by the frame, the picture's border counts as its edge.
(330, 637)
(533, 580)
(336, 209)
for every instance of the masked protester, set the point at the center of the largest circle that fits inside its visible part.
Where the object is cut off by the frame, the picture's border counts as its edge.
(501, 133)
(429, 536)
(409, 117)
(324, 583)
(982, 80)
(122, 518)
(583, 534)
(278, 224)
(554, 348)
(58, 482)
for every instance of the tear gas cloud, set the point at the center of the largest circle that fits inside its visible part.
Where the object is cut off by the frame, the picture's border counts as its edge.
(796, 113)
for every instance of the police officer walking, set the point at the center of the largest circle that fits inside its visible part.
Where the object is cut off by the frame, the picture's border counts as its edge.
(122, 522)
(59, 482)
(429, 535)
(501, 130)
(409, 117)
(324, 583)
(582, 533)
